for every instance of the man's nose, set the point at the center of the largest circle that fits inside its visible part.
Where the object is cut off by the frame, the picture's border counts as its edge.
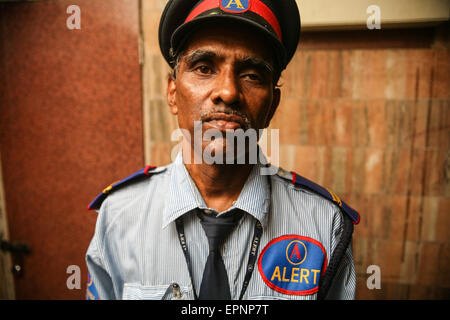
(226, 89)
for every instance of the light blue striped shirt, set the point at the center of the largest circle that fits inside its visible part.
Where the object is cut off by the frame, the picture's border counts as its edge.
(135, 252)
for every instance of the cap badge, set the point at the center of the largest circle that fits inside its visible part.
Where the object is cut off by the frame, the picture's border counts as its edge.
(235, 6)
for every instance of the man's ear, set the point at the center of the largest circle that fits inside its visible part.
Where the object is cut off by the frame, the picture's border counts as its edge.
(171, 94)
(275, 102)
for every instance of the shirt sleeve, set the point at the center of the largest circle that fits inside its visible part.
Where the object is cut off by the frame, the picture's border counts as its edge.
(100, 285)
(343, 286)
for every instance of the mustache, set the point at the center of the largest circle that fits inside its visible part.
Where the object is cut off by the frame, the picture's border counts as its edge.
(207, 115)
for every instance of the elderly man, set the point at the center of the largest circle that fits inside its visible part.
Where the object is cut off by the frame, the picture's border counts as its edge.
(202, 229)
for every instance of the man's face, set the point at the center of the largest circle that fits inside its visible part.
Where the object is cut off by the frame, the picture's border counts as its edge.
(224, 80)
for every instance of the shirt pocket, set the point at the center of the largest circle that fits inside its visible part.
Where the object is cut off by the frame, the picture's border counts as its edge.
(135, 291)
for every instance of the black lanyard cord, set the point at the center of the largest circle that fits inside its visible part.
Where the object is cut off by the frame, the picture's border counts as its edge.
(251, 259)
(252, 256)
(182, 238)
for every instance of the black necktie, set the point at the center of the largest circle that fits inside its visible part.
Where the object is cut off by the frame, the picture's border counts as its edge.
(215, 280)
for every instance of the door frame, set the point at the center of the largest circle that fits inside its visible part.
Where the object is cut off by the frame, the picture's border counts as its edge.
(7, 290)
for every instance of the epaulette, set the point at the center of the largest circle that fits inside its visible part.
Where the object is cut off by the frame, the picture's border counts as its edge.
(315, 188)
(97, 202)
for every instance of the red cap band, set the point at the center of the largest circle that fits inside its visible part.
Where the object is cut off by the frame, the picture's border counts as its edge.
(256, 6)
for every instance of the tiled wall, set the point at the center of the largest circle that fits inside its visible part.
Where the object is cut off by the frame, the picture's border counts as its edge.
(370, 120)
(373, 125)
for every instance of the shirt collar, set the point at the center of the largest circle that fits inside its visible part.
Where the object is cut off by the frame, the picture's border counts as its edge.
(184, 196)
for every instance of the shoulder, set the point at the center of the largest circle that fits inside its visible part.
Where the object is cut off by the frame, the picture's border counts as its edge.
(136, 178)
(301, 183)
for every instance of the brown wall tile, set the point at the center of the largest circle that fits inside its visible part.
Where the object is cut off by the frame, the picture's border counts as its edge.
(443, 220)
(308, 162)
(342, 125)
(441, 74)
(428, 273)
(373, 169)
(288, 112)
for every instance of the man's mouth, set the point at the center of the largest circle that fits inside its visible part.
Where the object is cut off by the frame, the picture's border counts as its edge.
(224, 121)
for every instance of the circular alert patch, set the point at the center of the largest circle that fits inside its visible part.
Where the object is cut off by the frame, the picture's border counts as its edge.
(293, 264)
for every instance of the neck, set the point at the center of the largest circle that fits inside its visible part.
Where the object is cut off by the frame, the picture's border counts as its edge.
(219, 184)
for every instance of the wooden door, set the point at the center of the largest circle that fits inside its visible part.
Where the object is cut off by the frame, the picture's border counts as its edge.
(70, 124)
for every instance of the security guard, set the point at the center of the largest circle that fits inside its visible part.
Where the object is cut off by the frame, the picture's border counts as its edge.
(215, 230)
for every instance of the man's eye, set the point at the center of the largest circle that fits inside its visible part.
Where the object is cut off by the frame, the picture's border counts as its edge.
(253, 77)
(204, 69)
